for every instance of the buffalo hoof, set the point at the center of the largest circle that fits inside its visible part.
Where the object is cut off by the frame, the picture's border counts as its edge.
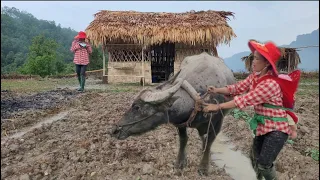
(181, 163)
(203, 172)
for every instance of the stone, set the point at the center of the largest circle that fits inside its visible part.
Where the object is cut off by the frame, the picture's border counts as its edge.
(24, 177)
(147, 169)
(304, 129)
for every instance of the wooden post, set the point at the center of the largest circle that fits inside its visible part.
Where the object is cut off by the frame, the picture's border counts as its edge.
(215, 52)
(142, 65)
(104, 77)
(104, 61)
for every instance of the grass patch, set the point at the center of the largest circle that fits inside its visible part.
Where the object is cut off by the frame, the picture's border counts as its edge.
(308, 90)
(32, 85)
(310, 80)
(313, 153)
(119, 90)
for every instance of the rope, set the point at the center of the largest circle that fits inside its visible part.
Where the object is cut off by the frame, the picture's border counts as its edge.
(210, 124)
(168, 120)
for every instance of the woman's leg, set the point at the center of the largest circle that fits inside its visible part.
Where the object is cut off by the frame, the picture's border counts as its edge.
(272, 145)
(78, 70)
(83, 76)
(255, 151)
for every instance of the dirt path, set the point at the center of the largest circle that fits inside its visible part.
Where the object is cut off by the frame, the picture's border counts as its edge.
(77, 144)
(20, 111)
(25, 130)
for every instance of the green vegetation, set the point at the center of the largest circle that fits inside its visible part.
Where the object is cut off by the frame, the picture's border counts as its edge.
(33, 85)
(313, 153)
(28, 45)
(42, 58)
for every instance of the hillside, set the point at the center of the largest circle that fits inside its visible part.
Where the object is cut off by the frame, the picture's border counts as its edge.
(309, 56)
(18, 28)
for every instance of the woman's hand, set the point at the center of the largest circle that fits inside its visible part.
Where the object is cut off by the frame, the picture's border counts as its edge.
(210, 107)
(293, 135)
(212, 89)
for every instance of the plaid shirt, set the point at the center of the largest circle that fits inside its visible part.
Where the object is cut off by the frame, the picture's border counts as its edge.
(81, 55)
(267, 91)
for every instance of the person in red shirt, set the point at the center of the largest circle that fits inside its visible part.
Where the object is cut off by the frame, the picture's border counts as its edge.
(270, 122)
(81, 50)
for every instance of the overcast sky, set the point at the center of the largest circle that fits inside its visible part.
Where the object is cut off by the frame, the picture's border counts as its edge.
(278, 21)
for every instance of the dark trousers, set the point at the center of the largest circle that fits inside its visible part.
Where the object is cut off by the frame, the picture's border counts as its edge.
(81, 70)
(265, 150)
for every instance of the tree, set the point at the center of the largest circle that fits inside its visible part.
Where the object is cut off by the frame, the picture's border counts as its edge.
(42, 57)
(18, 28)
(95, 59)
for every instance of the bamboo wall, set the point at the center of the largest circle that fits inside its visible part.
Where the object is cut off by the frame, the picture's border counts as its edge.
(132, 74)
(126, 71)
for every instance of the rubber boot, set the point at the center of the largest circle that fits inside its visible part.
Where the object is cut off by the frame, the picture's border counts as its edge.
(83, 80)
(269, 173)
(255, 166)
(79, 79)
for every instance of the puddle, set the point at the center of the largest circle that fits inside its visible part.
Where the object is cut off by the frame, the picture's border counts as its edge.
(50, 120)
(235, 163)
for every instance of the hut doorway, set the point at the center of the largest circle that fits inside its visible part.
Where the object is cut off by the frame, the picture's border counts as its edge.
(162, 61)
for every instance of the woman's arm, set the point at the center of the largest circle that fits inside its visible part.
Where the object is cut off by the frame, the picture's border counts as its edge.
(75, 46)
(223, 90)
(215, 107)
(241, 86)
(262, 93)
(89, 48)
(235, 89)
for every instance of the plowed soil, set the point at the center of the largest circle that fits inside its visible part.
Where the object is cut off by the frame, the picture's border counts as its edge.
(78, 146)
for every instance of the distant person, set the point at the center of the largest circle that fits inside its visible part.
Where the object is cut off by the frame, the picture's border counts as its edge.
(81, 50)
(272, 96)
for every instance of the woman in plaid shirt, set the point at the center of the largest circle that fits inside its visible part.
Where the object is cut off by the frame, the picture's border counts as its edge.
(81, 50)
(269, 124)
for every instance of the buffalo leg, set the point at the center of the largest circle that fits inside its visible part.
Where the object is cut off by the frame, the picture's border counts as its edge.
(214, 129)
(202, 131)
(183, 137)
(204, 164)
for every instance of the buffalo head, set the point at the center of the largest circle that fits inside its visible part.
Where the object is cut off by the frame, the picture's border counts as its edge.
(149, 110)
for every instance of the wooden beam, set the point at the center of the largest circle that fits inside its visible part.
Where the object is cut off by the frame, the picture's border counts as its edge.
(104, 61)
(142, 65)
(215, 51)
(123, 45)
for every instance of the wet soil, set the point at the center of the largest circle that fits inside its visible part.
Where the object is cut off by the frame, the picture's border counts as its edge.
(19, 111)
(78, 145)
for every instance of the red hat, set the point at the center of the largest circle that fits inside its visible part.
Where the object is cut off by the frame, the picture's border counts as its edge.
(81, 35)
(269, 50)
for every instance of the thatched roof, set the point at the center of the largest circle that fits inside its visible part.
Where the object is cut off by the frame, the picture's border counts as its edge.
(203, 27)
(288, 62)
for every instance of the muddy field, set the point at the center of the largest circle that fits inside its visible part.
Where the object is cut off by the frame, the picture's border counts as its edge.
(74, 141)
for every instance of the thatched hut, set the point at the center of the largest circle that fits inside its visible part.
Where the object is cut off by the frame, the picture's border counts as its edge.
(289, 60)
(148, 47)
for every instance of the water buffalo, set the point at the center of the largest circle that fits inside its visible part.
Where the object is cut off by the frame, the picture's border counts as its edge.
(173, 101)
